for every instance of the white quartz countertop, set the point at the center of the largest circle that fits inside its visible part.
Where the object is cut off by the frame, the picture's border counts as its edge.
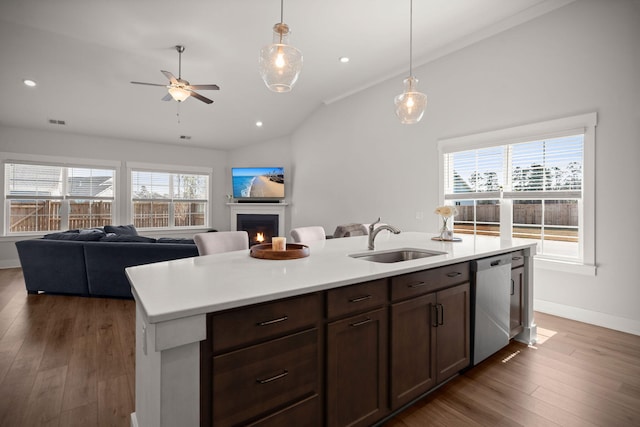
(192, 286)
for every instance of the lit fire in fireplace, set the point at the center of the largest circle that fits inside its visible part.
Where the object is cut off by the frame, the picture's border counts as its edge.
(260, 237)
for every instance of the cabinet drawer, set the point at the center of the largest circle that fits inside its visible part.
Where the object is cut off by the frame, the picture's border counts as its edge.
(422, 282)
(306, 413)
(356, 298)
(260, 322)
(252, 381)
(517, 259)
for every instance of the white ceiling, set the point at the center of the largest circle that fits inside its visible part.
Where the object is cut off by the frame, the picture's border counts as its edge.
(84, 53)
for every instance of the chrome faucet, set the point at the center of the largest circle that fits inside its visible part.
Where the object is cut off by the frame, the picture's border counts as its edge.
(373, 232)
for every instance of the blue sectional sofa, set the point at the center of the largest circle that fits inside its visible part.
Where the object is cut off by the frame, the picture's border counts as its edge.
(92, 265)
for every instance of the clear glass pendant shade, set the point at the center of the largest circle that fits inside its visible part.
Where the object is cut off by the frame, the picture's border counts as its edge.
(410, 104)
(280, 63)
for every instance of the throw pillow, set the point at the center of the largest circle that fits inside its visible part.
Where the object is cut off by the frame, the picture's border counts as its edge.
(129, 230)
(83, 237)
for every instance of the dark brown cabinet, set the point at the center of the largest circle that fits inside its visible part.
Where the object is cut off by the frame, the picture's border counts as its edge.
(357, 354)
(348, 356)
(453, 331)
(517, 283)
(262, 365)
(517, 287)
(430, 333)
(413, 367)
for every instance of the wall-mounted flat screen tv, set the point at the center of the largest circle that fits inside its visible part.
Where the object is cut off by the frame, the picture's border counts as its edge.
(261, 183)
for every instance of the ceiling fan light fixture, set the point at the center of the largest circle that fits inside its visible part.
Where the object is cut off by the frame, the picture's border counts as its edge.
(179, 94)
(280, 63)
(411, 104)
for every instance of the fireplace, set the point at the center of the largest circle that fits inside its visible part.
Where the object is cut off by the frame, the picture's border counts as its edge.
(260, 227)
(254, 218)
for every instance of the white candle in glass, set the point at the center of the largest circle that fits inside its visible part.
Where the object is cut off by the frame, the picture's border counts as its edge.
(279, 243)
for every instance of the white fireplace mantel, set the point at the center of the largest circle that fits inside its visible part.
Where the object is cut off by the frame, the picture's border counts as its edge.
(258, 209)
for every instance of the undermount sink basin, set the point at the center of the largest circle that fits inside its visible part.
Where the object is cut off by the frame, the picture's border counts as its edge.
(396, 255)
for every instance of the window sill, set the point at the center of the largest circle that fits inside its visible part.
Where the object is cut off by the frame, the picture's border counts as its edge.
(564, 266)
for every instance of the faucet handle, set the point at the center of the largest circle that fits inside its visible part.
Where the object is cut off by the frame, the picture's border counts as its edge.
(372, 224)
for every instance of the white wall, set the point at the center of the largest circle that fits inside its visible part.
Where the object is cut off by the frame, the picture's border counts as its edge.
(62, 144)
(353, 161)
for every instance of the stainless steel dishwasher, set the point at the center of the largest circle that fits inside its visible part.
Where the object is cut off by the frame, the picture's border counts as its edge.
(492, 305)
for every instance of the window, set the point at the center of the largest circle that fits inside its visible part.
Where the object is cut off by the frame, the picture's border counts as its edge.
(532, 182)
(49, 197)
(169, 199)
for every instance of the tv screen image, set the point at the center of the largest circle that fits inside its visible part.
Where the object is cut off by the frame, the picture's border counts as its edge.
(258, 183)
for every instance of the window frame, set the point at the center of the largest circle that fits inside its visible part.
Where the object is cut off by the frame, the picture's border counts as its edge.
(169, 169)
(581, 124)
(63, 162)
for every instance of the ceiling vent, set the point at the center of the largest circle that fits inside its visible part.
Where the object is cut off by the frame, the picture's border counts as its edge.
(57, 122)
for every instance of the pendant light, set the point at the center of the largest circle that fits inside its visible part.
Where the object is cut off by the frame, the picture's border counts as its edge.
(410, 104)
(280, 63)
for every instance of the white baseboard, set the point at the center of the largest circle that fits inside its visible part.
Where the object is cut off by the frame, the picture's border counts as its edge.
(134, 420)
(9, 263)
(587, 316)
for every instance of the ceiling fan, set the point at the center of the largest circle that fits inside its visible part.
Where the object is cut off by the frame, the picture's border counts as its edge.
(180, 89)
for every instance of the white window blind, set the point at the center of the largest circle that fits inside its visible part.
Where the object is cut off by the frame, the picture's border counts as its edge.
(49, 197)
(169, 199)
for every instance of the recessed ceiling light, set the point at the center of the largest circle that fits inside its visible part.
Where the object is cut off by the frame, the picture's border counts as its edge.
(29, 82)
(343, 59)
(259, 123)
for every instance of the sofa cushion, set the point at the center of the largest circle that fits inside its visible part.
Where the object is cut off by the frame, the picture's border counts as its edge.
(127, 238)
(84, 237)
(173, 240)
(129, 230)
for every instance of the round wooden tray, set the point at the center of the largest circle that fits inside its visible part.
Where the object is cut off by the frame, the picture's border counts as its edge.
(294, 251)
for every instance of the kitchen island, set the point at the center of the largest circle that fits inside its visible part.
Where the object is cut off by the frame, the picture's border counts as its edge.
(180, 303)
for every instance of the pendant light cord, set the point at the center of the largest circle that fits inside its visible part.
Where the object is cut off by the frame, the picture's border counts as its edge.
(281, 11)
(410, 38)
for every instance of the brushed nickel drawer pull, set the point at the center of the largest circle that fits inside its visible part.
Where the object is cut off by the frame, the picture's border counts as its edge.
(516, 258)
(362, 322)
(454, 274)
(416, 284)
(283, 374)
(363, 298)
(271, 322)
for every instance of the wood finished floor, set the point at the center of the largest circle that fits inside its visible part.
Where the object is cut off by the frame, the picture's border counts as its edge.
(67, 361)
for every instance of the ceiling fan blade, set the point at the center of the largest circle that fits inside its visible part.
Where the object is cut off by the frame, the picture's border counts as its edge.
(170, 76)
(148, 84)
(167, 97)
(205, 87)
(200, 97)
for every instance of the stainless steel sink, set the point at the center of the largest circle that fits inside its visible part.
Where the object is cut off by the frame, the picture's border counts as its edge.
(396, 255)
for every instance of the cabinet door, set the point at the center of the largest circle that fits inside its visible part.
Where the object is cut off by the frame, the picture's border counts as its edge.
(412, 345)
(452, 331)
(517, 281)
(357, 369)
